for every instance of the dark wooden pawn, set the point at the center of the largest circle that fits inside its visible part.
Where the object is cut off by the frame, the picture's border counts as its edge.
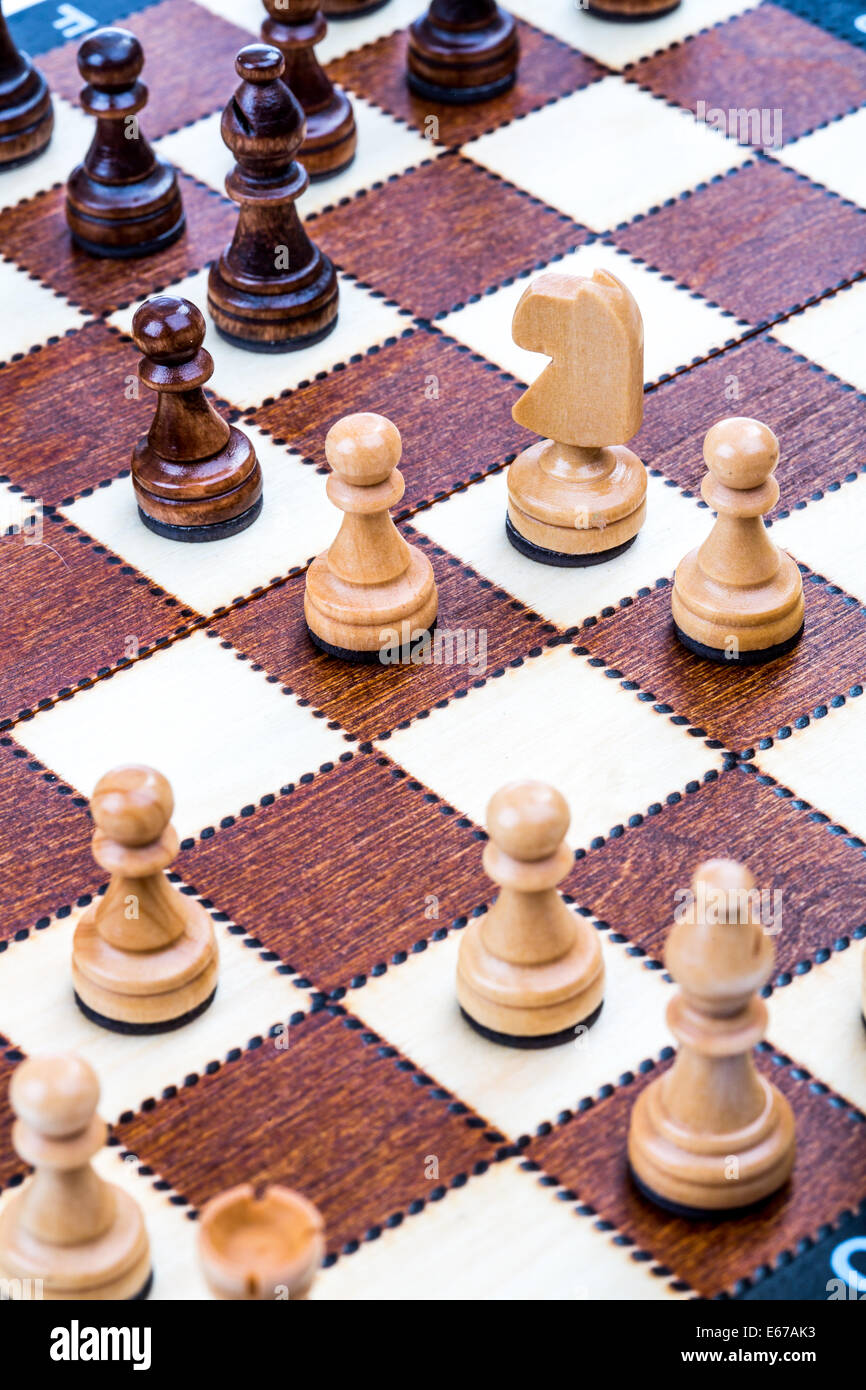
(195, 477)
(631, 10)
(463, 51)
(329, 144)
(26, 113)
(271, 290)
(122, 201)
(351, 9)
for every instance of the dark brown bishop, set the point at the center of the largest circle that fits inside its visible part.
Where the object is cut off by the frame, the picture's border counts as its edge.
(26, 113)
(122, 201)
(271, 290)
(329, 144)
(463, 51)
(195, 477)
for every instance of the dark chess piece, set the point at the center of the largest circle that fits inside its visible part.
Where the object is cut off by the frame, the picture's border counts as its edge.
(195, 477)
(271, 290)
(462, 51)
(631, 10)
(351, 9)
(26, 113)
(122, 201)
(329, 144)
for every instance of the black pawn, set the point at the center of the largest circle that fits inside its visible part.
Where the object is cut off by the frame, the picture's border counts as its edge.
(26, 114)
(122, 201)
(271, 290)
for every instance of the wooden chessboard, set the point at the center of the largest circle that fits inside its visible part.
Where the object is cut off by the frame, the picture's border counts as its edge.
(330, 816)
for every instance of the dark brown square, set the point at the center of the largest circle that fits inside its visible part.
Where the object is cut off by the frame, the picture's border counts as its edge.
(35, 235)
(189, 63)
(371, 700)
(588, 1155)
(760, 242)
(766, 58)
(452, 408)
(329, 1115)
(548, 69)
(72, 611)
(629, 881)
(737, 704)
(449, 230)
(820, 423)
(335, 917)
(45, 857)
(54, 405)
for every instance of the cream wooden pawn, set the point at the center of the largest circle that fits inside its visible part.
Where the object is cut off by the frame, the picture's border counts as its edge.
(579, 496)
(712, 1135)
(370, 596)
(738, 597)
(82, 1237)
(144, 956)
(260, 1244)
(530, 970)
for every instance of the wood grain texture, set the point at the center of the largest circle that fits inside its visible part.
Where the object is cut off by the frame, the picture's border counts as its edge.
(35, 235)
(336, 917)
(371, 701)
(629, 882)
(819, 423)
(189, 56)
(41, 872)
(452, 410)
(739, 705)
(358, 1152)
(53, 408)
(547, 69)
(70, 610)
(587, 1155)
(722, 240)
(767, 57)
(477, 230)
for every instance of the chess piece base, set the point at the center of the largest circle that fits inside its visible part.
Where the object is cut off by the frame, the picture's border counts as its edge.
(689, 1170)
(207, 499)
(194, 535)
(349, 9)
(114, 1025)
(565, 1035)
(558, 557)
(145, 991)
(302, 313)
(750, 658)
(374, 658)
(366, 622)
(621, 12)
(104, 220)
(579, 505)
(255, 1244)
(331, 139)
(26, 128)
(115, 1267)
(477, 67)
(755, 619)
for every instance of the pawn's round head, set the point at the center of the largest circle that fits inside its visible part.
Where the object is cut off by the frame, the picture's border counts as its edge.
(132, 805)
(363, 449)
(56, 1096)
(528, 820)
(741, 453)
(168, 330)
(259, 63)
(723, 891)
(110, 58)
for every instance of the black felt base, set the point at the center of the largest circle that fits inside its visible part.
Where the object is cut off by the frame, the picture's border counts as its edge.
(724, 658)
(370, 658)
(632, 18)
(128, 253)
(460, 96)
(144, 1292)
(169, 1025)
(283, 344)
(559, 557)
(694, 1213)
(566, 1035)
(219, 531)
